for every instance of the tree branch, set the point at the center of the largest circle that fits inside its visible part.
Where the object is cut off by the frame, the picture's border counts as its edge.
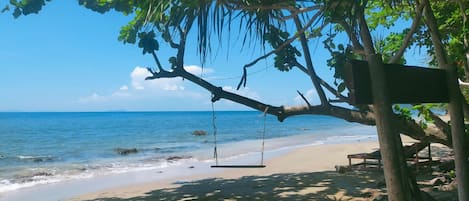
(408, 37)
(357, 47)
(309, 64)
(304, 98)
(408, 127)
(170, 39)
(301, 10)
(243, 80)
(324, 84)
(158, 64)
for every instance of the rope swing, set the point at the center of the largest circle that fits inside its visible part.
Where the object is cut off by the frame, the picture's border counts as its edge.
(215, 151)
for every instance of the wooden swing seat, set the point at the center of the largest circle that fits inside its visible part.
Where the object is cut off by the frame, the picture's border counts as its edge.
(238, 166)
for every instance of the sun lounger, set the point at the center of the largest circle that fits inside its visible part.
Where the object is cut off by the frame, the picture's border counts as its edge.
(411, 153)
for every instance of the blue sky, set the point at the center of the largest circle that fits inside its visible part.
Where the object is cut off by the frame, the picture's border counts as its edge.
(68, 58)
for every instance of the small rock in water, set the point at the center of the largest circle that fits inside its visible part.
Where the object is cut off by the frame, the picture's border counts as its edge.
(124, 151)
(191, 167)
(175, 158)
(199, 133)
(42, 159)
(42, 174)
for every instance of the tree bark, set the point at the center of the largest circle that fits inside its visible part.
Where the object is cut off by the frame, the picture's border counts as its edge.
(387, 136)
(455, 108)
(399, 185)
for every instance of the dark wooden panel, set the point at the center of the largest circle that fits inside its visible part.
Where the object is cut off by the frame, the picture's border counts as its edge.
(406, 84)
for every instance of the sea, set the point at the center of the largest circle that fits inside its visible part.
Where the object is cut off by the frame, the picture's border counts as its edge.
(39, 148)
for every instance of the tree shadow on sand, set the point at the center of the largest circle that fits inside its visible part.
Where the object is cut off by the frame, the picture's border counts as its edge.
(326, 185)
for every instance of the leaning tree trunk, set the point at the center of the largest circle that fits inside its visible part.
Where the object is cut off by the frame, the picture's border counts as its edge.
(454, 107)
(399, 185)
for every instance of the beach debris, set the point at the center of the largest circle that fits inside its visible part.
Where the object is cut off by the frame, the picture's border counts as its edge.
(437, 181)
(452, 186)
(125, 151)
(380, 198)
(199, 132)
(342, 169)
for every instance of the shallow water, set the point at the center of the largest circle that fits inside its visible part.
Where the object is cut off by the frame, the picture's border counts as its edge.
(40, 148)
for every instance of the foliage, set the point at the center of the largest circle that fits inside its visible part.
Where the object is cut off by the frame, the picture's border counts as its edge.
(285, 58)
(422, 111)
(403, 112)
(26, 7)
(147, 42)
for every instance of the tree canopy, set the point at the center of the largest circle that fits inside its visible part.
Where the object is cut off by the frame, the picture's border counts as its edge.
(284, 29)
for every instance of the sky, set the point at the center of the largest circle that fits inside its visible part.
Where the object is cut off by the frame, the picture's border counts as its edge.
(68, 58)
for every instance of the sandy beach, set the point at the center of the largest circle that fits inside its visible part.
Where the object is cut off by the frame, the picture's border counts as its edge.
(305, 173)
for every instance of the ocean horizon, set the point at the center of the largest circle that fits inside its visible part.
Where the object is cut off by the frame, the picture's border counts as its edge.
(39, 148)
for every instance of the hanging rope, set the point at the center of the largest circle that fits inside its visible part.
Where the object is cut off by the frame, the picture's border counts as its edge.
(263, 136)
(215, 152)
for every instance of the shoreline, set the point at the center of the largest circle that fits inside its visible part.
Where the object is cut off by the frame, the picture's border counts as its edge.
(190, 171)
(297, 160)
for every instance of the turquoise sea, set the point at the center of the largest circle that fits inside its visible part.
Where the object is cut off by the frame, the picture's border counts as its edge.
(40, 148)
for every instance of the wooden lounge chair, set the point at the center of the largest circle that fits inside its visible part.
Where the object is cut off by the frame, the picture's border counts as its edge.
(410, 152)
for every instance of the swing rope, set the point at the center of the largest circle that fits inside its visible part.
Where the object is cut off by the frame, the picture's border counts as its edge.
(263, 136)
(215, 151)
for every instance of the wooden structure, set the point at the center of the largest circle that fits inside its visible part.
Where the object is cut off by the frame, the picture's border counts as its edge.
(406, 84)
(411, 153)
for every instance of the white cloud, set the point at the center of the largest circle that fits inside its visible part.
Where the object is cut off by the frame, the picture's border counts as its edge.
(93, 98)
(120, 94)
(243, 92)
(139, 74)
(140, 90)
(124, 88)
(311, 95)
(197, 70)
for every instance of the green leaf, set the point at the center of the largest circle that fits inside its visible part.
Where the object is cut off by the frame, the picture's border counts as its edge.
(147, 42)
(340, 47)
(341, 87)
